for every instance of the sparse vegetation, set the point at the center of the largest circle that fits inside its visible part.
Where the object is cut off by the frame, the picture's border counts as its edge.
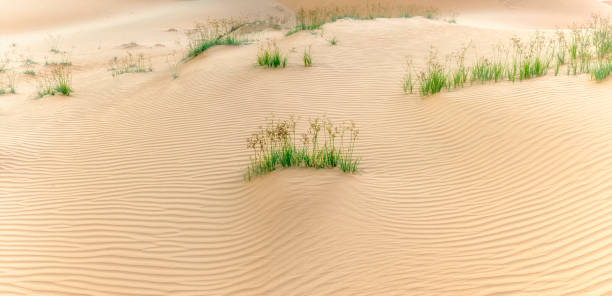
(333, 41)
(29, 72)
(54, 43)
(323, 145)
(307, 57)
(64, 61)
(130, 64)
(271, 57)
(222, 32)
(9, 87)
(58, 80)
(586, 49)
(313, 19)
(601, 70)
(173, 63)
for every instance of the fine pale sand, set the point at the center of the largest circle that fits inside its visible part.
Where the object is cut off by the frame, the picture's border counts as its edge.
(134, 185)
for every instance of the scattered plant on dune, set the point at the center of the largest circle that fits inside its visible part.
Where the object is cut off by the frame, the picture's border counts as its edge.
(173, 63)
(217, 32)
(308, 20)
(434, 78)
(130, 64)
(323, 145)
(9, 86)
(407, 83)
(601, 70)
(313, 19)
(333, 41)
(271, 57)
(307, 57)
(54, 43)
(585, 49)
(58, 80)
(63, 61)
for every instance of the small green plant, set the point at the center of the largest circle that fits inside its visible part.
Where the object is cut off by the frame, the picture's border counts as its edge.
(29, 72)
(307, 57)
(173, 63)
(333, 41)
(407, 83)
(220, 32)
(130, 64)
(308, 20)
(602, 70)
(323, 145)
(58, 80)
(11, 76)
(271, 57)
(433, 79)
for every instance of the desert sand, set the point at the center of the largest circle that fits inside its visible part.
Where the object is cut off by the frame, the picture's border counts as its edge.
(133, 185)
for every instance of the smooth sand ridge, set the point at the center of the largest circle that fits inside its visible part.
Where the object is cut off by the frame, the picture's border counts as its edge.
(134, 185)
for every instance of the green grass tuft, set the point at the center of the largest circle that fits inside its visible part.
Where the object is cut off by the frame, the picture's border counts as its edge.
(601, 71)
(59, 80)
(307, 57)
(323, 145)
(271, 57)
(221, 32)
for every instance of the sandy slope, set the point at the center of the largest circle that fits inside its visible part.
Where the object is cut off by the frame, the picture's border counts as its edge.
(133, 186)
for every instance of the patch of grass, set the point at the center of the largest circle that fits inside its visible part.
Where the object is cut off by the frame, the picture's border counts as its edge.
(173, 63)
(601, 70)
(432, 80)
(11, 76)
(130, 64)
(29, 72)
(221, 32)
(307, 57)
(333, 41)
(323, 145)
(484, 70)
(407, 82)
(64, 61)
(308, 20)
(58, 80)
(271, 57)
(313, 19)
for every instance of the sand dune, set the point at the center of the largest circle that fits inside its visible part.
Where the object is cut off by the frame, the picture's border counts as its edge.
(134, 185)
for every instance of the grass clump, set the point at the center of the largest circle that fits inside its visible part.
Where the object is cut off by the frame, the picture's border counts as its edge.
(58, 80)
(271, 57)
(29, 72)
(130, 64)
(584, 49)
(333, 41)
(323, 145)
(433, 79)
(313, 19)
(601, 70)
(307, 57)
(10, 83)
(221, 32)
